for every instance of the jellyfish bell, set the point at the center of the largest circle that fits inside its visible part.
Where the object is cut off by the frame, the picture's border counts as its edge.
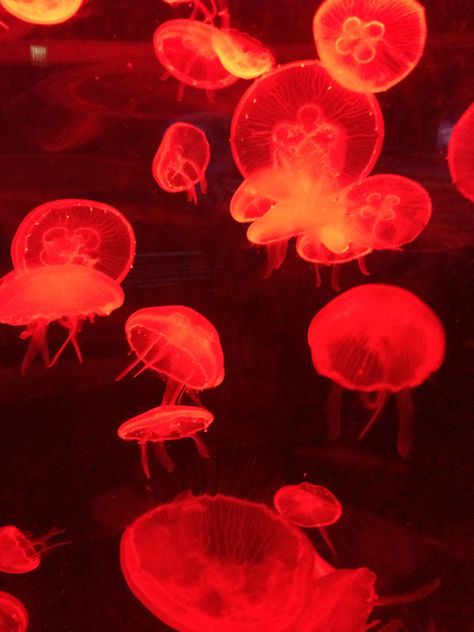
(461, 154)
(75, 231)
(166, 423)
(307, 505)
(13, 614)
(247, 204)
(181, 160)
(44, 12)
(376, 339)
(368, 46)
(20, 553)
(242, 55)
(66, 293)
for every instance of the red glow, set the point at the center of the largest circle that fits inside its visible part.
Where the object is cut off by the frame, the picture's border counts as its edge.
(42, 11)
(307, 505)
(242, 55)
(182, 159)
(461, 153)
(20, 553)
(368, 46)
(13, 614)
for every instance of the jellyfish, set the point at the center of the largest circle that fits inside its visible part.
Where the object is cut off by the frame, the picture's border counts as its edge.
(67, 293)
(20, 553)
(81, 232)
(242, 55)
(178, 343)
(369, 46)
(13, 614)
(45, 12)
(182, 159)
(461, 154)
(298, 115)
(166, 423)
(376, 339)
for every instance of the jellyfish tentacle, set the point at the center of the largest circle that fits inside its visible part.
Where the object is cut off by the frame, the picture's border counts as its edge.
(74, 327)
(334, 412)
(173, 392)
(38, 344)
(329, 543)
(406, 428)
(136, 362)
(317, 275)
(378, 407)
(335, 273)
(276, 254)
(163, 456)
(201, 447)
(144, 459)
(361, 262)
(409, 597)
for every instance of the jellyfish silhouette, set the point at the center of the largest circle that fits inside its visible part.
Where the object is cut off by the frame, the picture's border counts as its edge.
(166, 423)
(178, 343)
(67, 293)
(242, 55)
(369, 46)
(182, 159)
(376, 339)
(13, 614)
(461, 154)
(41, 12)
(82, 232)
(20, 553)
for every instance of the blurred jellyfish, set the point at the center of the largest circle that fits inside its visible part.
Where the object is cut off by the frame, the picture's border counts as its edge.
(13, 614)
(42, 11)
(370, 46)
(182, 159)
(376, 339)
(243, 56)
(19, 553)
(461, 154)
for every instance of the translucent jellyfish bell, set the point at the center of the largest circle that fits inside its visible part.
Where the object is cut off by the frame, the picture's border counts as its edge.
(376, 339)
(41, 11)
(242, 55)
(13, 614)
(461, 154)
(370, 46)
(20, 553)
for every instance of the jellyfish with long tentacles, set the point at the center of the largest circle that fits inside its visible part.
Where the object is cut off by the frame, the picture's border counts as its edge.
(46, 12)
(13, 614)
(21, 553)
(461, 154)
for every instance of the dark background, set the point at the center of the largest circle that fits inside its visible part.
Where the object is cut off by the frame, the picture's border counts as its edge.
(84, 123)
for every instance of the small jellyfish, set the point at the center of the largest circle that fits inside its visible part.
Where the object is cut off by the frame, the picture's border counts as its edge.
(369, 46)
(376, 339)
(182, 159)
(178, 343)
(461, 154)
(20, 553)
(67, 293)
(166, 423)
(13, 614)
(241, 54)
(82, 232)
(42, 11)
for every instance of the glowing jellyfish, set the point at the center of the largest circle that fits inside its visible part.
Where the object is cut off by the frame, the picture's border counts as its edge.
(166, 423)
(13, 614)
(376, 339)
(370, 46)
(82, 232)
(178, 343)
(42, 11)
(182, 159)
(68, 294)
(298, 115)
(19, 553)
(461, 154)
(241, 54)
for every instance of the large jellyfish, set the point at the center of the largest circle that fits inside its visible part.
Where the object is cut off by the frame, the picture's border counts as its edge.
(461, 154)
(13, 614)
(370, 46)
(42, 11)
(20, 553)
(376, 339)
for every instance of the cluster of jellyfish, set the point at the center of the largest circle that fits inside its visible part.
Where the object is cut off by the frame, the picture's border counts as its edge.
(305, 136)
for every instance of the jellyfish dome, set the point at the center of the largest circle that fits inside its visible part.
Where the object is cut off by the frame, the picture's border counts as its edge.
(307, 505)
(42, 11)
(82, 232)
(298, 114)
(20, 553)
(241, 54)
(370, 46)
(461, 154)
(13, 614)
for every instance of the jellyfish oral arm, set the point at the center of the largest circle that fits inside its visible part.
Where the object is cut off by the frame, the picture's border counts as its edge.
(37, 332)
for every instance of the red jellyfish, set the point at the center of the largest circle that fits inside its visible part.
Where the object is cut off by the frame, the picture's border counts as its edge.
(461, 154)
(298, 114)
(241, 54)
(67, 293)
(19, 553)
(42, 11)
(178, 343)
(166, 423)
(376, 339)
(370, 46)
(13, 614)
(82, 232)
(182, 159)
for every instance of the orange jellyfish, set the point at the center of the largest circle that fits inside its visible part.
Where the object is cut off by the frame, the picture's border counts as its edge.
(178, 343)
(461, 154)
(19, 553)
(182, 159)
(13, 614)
(241, 54)
(42, 11)
(166, 423)
(68, 293)
(376, 339)
(298, 115)
(369, 46)
(82, 232)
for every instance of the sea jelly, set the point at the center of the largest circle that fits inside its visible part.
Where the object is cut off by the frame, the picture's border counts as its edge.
(166, 423)
(20, 553)
(298, 114)
(182, 159)
(67, 293)
(178, 343)
(13, 614)
(461, 154)
(241, 54)
(369, 46)
(82, 232)
(42, 11)
(376, 339)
